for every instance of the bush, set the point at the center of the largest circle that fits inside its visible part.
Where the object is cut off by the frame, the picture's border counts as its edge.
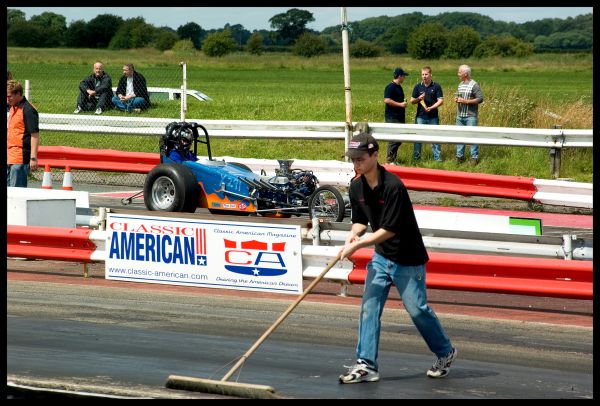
(219, 44)
(365, 49)
(428, 41)
(255, 45)
(462, 41)
(165, 40)
(309, 45)
(503, 46)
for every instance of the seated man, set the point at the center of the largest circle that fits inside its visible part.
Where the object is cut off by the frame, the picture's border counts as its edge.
(132, 92)
(95, 91)
(183, 142)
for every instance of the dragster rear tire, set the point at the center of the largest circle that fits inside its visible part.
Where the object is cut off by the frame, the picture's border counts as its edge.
(172, 188)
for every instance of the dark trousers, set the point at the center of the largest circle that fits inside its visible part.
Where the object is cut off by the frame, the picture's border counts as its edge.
(87, 103)
(392, 149)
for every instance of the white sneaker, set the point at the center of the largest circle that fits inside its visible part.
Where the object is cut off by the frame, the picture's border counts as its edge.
(98, 111)
(441, 367)
(359, 372)
(77, 110)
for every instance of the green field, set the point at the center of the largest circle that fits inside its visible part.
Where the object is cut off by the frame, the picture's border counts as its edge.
(518, 93)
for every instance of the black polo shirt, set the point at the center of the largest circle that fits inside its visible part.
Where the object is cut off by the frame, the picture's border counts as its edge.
(396, 93)
(388, 206)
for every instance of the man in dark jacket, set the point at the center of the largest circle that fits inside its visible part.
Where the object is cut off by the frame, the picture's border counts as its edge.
(95, 91)
(132, 93)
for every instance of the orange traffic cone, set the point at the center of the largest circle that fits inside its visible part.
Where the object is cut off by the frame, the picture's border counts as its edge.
(67, 179)
(47, 180)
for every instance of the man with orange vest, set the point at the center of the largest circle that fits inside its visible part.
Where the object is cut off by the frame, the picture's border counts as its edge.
(22, 136)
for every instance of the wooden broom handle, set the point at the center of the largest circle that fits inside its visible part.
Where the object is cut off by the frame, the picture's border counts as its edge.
(279, 320)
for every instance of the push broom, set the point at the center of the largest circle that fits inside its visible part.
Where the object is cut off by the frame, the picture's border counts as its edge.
(245, 390)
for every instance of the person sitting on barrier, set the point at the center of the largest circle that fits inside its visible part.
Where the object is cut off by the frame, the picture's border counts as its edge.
(379, 198)
(132, 92)
(95, 91)
(184, 137)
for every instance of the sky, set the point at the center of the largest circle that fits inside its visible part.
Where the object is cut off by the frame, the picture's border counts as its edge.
(257, 18)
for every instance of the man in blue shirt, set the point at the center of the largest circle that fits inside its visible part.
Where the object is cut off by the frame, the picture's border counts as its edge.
(395, 108)
(429, 97)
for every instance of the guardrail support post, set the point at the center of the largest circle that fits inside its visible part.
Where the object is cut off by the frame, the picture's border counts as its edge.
(85, 270)
(568, 245)
(555, 159)
(316, 231)
(343, 290)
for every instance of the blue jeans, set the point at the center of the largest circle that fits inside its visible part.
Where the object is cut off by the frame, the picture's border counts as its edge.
(16, 175)
(129, 105)
(460, 148)
(410, 282)
(436, 149)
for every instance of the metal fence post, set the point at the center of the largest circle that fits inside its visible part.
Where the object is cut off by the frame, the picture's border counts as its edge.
(555, 154)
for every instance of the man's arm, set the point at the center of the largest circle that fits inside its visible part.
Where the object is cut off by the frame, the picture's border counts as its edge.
(394, 103)
(35, 141)
(355, 243)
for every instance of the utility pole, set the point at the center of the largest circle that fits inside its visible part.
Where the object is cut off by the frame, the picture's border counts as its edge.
(348, 95)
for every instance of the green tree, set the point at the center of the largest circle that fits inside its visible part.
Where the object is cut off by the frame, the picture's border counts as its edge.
(365, 49)
(54, 25)
(26, 34)
(192, 31)
(309, 45)
(133, 33)
(14, 16)
(506, 45)
(572, 40)
(101, 29)
(428, 41)
(165, 39)
(255, 45)
(394, 40)
(291, 24)
(239, 34)
(218, 44)
(76, 35)
(462, 41)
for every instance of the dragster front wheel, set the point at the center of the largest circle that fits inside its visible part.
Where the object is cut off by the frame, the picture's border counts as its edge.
(327, 203)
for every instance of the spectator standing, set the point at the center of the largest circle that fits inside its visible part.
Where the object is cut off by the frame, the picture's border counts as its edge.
(395, 108)
(380, 199)
(22, 136)
(132, 92)
(429, 96)
(468, 98)
(95, 91)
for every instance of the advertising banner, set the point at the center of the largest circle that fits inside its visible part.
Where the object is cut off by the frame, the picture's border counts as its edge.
(204, 253)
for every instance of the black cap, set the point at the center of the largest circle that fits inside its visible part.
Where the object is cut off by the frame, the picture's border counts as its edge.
(400, 72)
(361, 143)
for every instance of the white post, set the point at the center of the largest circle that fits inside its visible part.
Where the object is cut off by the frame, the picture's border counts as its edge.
(27, 89)
(184, 91)
(346, 57)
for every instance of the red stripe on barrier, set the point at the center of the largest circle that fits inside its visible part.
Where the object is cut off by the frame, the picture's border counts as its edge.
(465, 183)
(435, 180)
(98, 159)
(497, 274)
(56, 243)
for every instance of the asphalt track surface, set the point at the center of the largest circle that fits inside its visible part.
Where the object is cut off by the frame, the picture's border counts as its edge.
(124, 339)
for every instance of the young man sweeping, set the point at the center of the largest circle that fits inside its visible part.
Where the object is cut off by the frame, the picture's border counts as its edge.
(380, 198)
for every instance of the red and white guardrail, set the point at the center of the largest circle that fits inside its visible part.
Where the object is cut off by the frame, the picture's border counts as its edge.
(462, 272)
(337, 173)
